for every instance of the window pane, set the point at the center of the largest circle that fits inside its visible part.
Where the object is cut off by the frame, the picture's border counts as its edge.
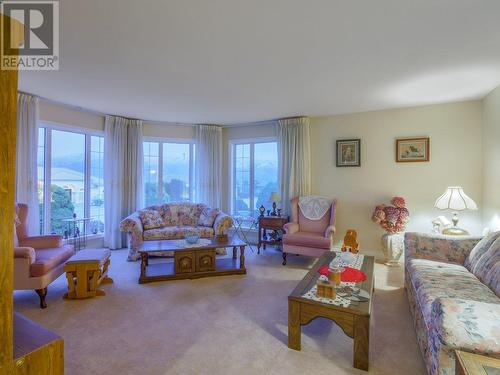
(97, 185)
(151, 166)
(68, 178)
(265, 174)
(175, 172)
(241, 188)
(41, 176)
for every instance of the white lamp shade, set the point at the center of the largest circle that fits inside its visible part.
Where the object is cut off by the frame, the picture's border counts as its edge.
(275, 197)
(454, 198)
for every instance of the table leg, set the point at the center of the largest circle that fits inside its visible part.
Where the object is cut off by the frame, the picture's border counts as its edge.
(260, 238)
(294, 325)
(242, 257)
(361, 342)
(144, 263)
(234, 252)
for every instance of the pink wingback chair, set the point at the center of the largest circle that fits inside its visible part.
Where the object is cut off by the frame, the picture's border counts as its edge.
(38, 260)
(308, 237)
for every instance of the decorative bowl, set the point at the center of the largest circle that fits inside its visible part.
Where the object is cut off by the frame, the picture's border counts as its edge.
(192, 238)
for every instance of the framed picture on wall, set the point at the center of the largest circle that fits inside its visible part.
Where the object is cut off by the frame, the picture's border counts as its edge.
(348, 153)
(412, 149)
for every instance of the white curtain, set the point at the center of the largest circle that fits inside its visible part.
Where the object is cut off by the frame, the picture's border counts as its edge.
(123, 163)
(209, 165)
(26, 155)
(294, 159)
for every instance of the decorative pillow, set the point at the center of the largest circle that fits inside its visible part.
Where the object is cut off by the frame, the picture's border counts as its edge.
(16, 223)
(151, 219)
(208, 216)
(478, 250)
(487, 262)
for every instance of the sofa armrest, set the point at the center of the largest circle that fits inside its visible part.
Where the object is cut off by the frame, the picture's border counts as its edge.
(329, 232)
(25, 253)
(291, 228)
(451, 249)
(42, 242)
(133, 225)
(466, 325)
(222, 223)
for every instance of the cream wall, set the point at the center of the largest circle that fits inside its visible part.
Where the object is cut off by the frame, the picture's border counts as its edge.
(455, 131)
(491, 160)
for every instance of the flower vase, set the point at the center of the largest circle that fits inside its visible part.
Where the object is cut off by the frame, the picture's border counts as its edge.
(392, 246)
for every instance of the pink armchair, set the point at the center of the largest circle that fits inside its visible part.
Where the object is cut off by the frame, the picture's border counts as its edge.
(38, 260)
(308, 237)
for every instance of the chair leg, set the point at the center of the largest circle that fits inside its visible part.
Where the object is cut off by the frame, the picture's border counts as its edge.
(284, 258)
(42, 293)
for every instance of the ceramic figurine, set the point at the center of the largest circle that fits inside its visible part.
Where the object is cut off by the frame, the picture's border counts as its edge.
(350, 241)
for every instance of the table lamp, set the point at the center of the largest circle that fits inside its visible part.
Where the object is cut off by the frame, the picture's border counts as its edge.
(274, 198)
(454, 198)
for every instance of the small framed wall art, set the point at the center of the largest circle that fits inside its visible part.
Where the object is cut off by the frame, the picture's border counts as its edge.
(412, 149)
(348, 153)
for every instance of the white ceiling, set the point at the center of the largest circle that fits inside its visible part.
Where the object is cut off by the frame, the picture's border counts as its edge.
(237, 61)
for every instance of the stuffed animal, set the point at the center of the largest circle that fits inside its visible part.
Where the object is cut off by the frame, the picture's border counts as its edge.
(350, 241)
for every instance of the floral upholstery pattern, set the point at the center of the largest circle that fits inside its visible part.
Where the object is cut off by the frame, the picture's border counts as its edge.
(437, 247)
(151, 219)
(452, 308)
(207, 217)
(178, 232)
(177, 219)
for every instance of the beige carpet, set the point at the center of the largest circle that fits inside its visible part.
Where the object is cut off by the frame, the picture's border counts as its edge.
(219, 325)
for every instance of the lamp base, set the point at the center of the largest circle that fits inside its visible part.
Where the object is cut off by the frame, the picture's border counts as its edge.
(455, 231)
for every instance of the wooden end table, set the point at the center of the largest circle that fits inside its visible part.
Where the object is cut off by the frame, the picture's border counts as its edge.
(272, 223)
(475, 364)
(354, 319)
(190, 262)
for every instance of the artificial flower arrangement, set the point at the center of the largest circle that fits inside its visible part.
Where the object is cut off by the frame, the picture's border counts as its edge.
(392, 219)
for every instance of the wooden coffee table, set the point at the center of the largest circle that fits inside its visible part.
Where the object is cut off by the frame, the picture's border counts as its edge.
(354, 320)
(191, 262)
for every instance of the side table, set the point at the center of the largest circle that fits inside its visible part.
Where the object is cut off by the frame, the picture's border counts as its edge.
(274, 224)
(475, 364)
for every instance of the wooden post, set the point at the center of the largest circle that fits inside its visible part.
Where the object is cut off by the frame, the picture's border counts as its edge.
(8, 113)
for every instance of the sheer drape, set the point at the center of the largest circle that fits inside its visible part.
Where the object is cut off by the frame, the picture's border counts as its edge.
(26, 158)
(208, 165)
(294, 159)
(123, 163)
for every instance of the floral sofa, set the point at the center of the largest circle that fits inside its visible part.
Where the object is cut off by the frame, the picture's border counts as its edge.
(171, 221)
(453, 286)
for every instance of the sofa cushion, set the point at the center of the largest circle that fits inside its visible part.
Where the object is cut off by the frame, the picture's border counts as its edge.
(307, 239)
(208, 216)
(184, 213)
(177, 232)
(478, 251)
(468, 325)
(48, 259)
(487, 268)
(432, 280)
(151, 219)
